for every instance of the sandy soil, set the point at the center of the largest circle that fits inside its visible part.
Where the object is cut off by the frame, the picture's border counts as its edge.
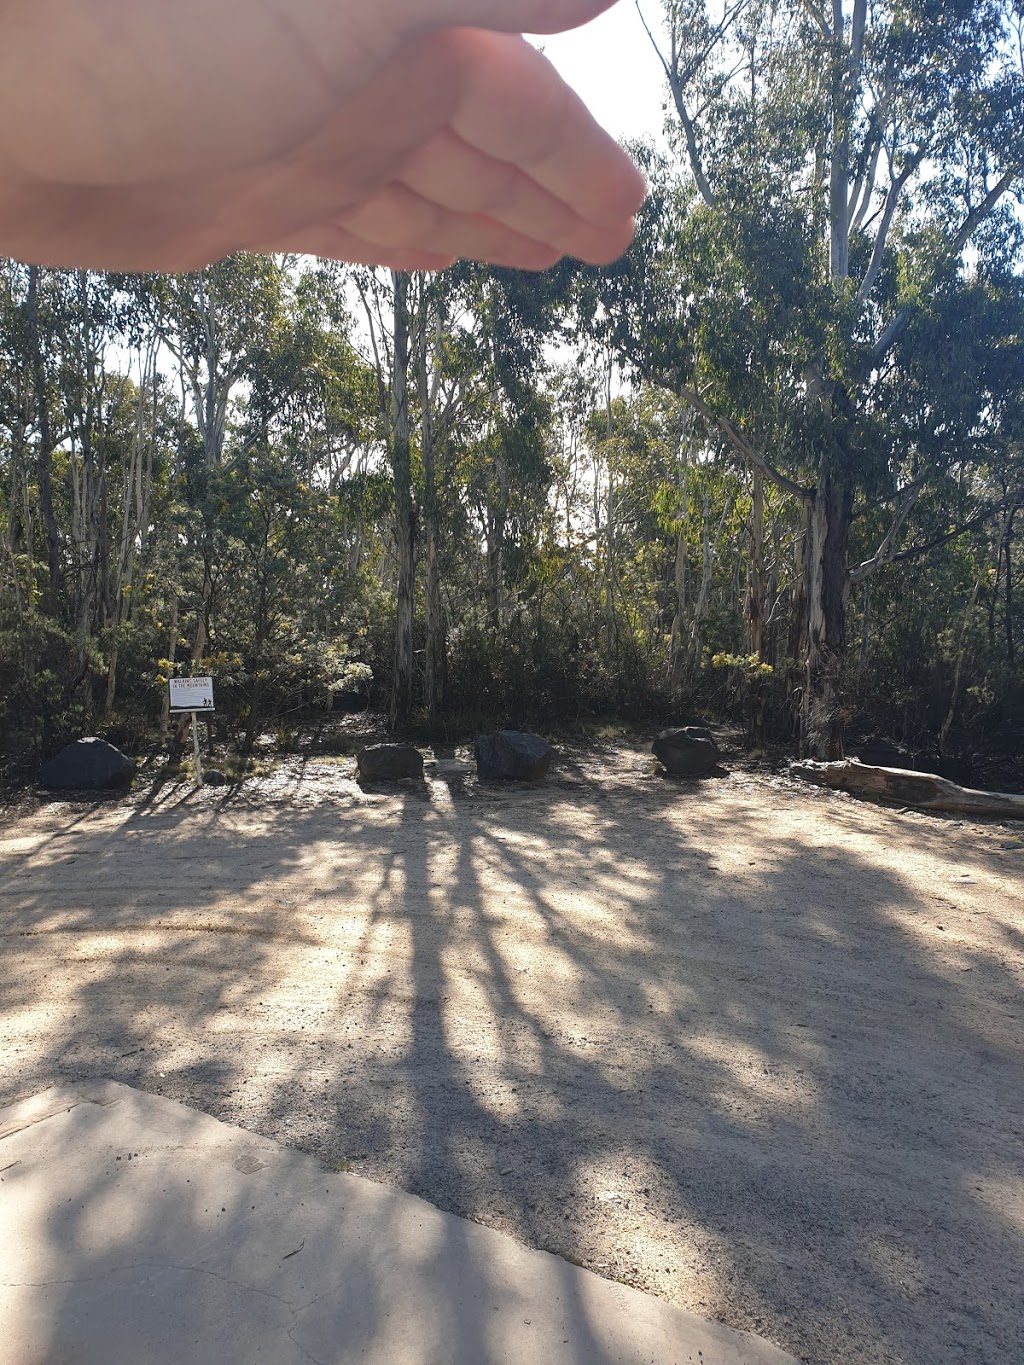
(753, 1047)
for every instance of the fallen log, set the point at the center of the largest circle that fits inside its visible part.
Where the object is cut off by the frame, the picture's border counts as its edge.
(925, 791)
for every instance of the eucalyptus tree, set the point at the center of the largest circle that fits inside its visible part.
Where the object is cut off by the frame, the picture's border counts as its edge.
(387, 300)
(18, 381)
(457, 358)
(84, 406)
(215, 322)
(511, 319)
(839, 160)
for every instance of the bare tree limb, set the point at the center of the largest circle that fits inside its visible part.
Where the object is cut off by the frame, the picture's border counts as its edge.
(960, 239)
(916, 551)
(818, 19)
(675, 85)
(382, 386)
(885, 552)
(860, 17)
(982, 210)
(742, 446)
(871, 150)
(864, 186)
(892, 333)
(882, 236)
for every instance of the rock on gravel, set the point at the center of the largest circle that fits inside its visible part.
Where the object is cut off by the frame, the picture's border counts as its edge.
(690, 751)
(389, 762)
(512, 755)
(87, 765)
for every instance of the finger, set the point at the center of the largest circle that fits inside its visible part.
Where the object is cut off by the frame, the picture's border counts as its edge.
(336, 243)
(516, 108)
(397, 217)
(448, 172)
(361, 148)
(399, 121)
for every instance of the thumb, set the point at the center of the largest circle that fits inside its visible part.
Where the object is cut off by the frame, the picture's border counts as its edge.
(514, 16)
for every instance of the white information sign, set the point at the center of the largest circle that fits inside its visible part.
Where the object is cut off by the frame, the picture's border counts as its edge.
(191, 694)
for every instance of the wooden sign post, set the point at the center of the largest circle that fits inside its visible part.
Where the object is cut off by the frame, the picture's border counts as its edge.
(192, 695)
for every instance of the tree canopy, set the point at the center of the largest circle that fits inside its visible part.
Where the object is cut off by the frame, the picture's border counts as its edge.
(768, 468)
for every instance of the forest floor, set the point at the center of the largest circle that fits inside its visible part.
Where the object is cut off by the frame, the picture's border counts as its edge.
(754, 1047)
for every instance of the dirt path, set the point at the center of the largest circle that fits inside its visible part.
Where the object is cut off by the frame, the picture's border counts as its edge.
(754, 1048)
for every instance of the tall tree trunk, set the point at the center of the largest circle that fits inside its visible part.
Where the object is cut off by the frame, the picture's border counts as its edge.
(437, 652)
(798, 621)
(1011, 651)
(865, 628)
(492, 569)
(757, 592)
(827, 590)
(496, 516)
(703, 593)
(400, 713)
(202, 635)
(90, 585)
(112, 658)
(10, 531)
(611, 624)
(210, 405)
(44, 454)
(437, 645)
(172, 649)
(134, 537)
(827, 569)
(676, 651)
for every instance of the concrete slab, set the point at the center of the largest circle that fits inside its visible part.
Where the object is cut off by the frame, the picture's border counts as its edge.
(136, 1231)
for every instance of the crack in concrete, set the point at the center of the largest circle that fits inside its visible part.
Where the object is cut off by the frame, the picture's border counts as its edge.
(19, 1126)
(187, 1269)
(294, 1327)
(153, 1265)
(61, 1106)
(298, 1344)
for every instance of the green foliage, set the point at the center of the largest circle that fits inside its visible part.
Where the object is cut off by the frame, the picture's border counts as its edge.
(583, 443)
(752, 667)
(40, 704)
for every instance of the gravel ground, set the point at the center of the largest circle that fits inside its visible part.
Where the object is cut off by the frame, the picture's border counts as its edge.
(752, 1047)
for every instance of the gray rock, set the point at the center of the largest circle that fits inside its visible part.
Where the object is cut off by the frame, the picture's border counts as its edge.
(689, 751)
(514, 756)
(87, 765)
(389, 762)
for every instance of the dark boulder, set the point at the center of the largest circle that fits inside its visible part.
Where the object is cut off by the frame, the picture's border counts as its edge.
(389, 762)
(87, 765)
(690, 751)
(513, 756)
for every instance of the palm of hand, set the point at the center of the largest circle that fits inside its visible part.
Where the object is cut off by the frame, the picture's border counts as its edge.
(378, 131)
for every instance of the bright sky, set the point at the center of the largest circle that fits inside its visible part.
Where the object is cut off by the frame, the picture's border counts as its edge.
(612, 65)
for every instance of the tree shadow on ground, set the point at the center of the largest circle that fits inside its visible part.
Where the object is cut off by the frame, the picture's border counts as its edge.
(717, 1050)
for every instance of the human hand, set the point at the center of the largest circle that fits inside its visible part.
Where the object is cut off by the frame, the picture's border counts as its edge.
(142, 135)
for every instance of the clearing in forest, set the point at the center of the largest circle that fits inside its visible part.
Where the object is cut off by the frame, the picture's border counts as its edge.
(752, 1047)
